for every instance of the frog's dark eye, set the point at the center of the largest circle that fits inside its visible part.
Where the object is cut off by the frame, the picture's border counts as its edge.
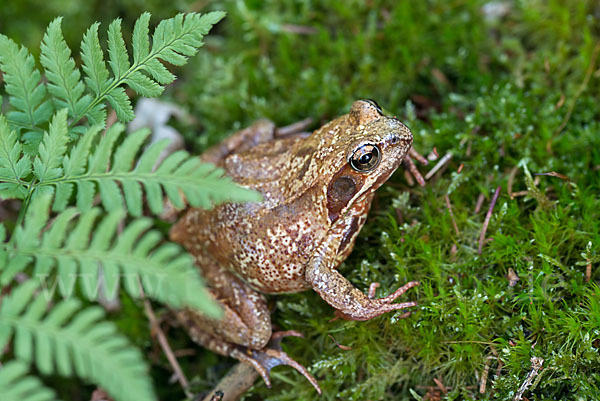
(365, 158)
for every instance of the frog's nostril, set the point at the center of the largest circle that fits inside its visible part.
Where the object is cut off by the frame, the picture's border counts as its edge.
(394, 139)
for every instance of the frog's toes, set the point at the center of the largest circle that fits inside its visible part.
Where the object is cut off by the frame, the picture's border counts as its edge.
(398, 292)
(272, 355)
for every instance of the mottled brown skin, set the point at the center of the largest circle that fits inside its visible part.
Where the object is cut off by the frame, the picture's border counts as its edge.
(314, 205)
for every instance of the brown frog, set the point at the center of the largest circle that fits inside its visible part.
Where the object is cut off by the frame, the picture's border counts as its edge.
(317, 191)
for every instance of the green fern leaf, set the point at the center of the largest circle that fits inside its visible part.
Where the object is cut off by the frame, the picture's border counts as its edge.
(141, 46)
(46, 165)
(67, 339)
(202, 184)
(16, 386)
(174, 40)
(97, 76)
(80, 246)
(27, 94)
(64, 81)
(14, 166)
(119, 60)
(119, 101)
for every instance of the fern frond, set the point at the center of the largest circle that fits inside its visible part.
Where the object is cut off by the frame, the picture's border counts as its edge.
(64, 81)
(69, 340)
(78, 248)
(16, 386)
(104, 169)
(174, 40)
(27, 94)
(14, 166)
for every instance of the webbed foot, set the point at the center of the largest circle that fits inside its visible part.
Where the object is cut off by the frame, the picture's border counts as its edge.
(272, 355)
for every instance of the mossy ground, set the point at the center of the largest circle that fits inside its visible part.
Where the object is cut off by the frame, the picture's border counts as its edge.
(505, 95)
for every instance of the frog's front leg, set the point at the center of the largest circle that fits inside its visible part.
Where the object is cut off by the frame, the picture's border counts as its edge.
(338, 292)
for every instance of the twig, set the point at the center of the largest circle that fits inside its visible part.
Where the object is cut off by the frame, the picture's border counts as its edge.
(340, 346)
(294, 128)
(536, 365)
(447, 198)
(234, 384)
(467, 342)
(418, 157)
(479, 203)
(453, 251)
(299, 29)
(414, 171)
(588, 271)
(555, 174)
(484, 377)
(440, 385)
(488, 216)
(511, 178)
(164, 344)
(439, 165)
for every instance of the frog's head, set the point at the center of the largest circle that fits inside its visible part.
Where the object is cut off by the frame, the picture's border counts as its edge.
(369, 147)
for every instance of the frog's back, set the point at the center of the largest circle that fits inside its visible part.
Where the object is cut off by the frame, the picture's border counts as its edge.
(267, 248)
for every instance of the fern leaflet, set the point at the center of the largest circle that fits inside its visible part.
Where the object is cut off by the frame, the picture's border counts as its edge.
(69, 340)
(200, 183)
(27, 94)
(77, 248)
(16, 386)
(14, 166)
(63, 77)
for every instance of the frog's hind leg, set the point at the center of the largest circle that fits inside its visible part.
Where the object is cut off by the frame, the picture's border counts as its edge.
(262, 360)
(262, 131)
(244, 331)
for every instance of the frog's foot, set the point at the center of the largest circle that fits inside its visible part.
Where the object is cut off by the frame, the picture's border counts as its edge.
(410, 164)
(272, 355)
(380, 306)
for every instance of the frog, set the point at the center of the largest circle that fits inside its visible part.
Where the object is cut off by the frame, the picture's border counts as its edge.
(317, 189)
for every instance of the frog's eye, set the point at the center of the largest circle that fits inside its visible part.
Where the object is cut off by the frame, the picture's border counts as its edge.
(365, 158)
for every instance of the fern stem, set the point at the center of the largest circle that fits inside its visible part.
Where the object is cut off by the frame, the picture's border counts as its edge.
(14, 123)
(23, 210)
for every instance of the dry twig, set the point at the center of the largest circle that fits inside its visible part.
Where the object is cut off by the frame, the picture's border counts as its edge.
(536, 365)
(488, 216)
(164, 344)
(447, 198)
(234, 384)
(439, 165)
(484, 376)
(479, 203)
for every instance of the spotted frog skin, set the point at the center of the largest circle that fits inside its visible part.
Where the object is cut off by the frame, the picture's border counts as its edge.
(317, 190)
